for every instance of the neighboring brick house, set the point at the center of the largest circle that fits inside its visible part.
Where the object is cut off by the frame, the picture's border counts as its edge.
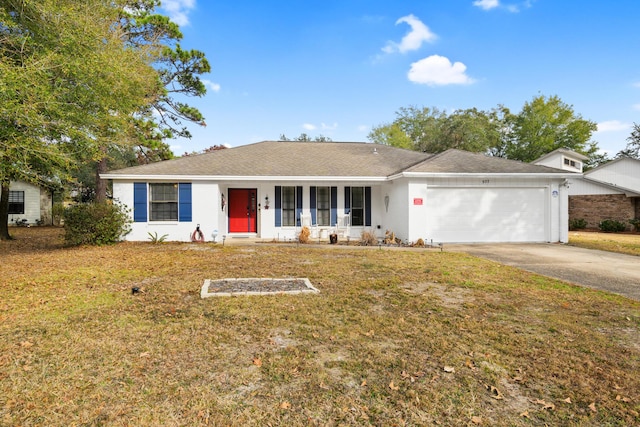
(610, 191)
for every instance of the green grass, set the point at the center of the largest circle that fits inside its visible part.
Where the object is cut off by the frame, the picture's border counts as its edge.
(76, 348)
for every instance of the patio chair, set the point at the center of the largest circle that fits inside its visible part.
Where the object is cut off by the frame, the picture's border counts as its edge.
(343, 225)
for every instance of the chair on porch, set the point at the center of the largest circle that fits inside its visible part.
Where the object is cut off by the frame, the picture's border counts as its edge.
(343, 225)
(305, 221)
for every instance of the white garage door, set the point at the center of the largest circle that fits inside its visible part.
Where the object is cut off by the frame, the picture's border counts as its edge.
(487, 214)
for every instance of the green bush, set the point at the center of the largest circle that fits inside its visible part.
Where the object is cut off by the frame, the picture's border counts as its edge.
(95, 224)
(612, 226)
(578, 224)
(636, 223)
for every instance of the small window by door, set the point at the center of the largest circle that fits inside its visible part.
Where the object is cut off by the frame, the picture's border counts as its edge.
(288, 206)
(357, 206)
(323, 206)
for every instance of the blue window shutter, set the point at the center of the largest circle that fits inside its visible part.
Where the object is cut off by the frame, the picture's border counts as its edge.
(367, 206)
(278, 206)
(184, 202)
(312, 204)
(140, 202)
(298, 204)
(334, 205)
(347, 200)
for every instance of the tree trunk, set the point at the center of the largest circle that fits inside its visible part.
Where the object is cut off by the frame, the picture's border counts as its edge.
(101, 184)
(4, 211)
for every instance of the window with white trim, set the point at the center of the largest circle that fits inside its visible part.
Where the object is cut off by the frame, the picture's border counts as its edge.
(288, 206)
(357, 206)
(323, 206)
(163, 202)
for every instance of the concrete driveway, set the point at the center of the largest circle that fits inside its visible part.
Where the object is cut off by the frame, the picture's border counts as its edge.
(607, 271)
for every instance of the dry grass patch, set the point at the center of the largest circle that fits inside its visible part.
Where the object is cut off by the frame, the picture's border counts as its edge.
(77, 348)
(612, 242)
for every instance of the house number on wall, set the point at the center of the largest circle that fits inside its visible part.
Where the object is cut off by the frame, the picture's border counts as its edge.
(485, 181)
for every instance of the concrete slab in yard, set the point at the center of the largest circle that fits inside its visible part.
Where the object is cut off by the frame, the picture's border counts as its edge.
(607, 271)
(256, 286)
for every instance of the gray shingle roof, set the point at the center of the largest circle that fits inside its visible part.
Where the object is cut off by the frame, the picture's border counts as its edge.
(457, 161)
(278, 158)
(327, 159)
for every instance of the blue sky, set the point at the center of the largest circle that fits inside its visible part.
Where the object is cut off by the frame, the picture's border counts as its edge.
(340, 67)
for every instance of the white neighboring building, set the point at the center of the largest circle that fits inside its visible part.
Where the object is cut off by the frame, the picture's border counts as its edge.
(610, 191)
(30, 202)
(270, 189)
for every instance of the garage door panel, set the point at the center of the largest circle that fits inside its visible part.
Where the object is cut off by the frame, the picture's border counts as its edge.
(486, 214)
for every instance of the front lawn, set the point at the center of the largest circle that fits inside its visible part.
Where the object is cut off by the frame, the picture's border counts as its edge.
(395, 337)
(612, 242)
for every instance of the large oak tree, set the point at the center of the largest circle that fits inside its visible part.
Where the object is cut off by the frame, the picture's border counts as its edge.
(68, 82)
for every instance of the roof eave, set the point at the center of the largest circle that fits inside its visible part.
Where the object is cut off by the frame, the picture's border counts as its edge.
(484, 175)
(320, 178)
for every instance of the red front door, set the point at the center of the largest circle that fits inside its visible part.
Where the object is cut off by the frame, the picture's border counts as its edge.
(242, 210)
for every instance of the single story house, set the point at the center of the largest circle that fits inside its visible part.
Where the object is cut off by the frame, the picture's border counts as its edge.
(31, 202)
(270, 189)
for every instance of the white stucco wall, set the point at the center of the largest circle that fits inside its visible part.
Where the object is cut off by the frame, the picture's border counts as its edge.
(405, 216)
(205, 207)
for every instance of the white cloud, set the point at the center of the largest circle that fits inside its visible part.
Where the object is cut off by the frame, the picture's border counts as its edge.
(178, 10)
(493, 4)
(419, 34)
(309, 126)
(437, 70)
(329, 127)
(486, 4)
(211, 85)
(636, 107)
(363, 128)
(613, 126)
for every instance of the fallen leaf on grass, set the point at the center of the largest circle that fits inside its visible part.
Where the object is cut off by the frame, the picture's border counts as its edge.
(392, 386)
(567, 400)
(624, 399)
(257, 361)
(285, 405)
(476, 420)
(449, 369)
(545, 405)
(145, 354)
(593, 407)
(495, 393)
(26, 344)
(525, 414)
(363, 383)
(370, 333)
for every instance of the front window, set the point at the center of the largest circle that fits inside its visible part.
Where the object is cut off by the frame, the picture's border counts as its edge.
(289, 206)
(16, 202)
(357, 206)
(163, 202)
(323, 206)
